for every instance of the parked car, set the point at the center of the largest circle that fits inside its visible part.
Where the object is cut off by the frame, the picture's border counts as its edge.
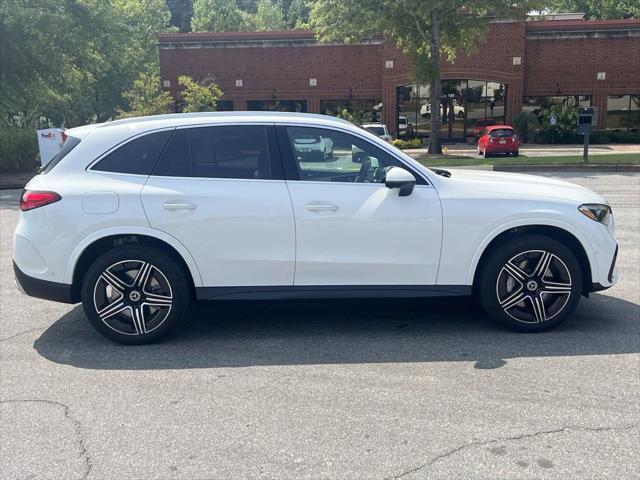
(498, 139)
(405, 127)
(378, 129)
(480, 125)
(137, 218)
(425, 110)
(314, 147)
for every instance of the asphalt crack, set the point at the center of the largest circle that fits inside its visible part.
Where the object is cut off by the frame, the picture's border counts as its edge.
(24, 332)
(453, 451)
(77, 426)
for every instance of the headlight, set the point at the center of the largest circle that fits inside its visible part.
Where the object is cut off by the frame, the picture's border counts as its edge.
(595, 211)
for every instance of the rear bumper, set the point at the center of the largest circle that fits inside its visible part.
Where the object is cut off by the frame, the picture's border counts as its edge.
(35, 287)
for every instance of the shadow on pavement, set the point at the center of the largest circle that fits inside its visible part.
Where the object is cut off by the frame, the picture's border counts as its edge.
(239, 334)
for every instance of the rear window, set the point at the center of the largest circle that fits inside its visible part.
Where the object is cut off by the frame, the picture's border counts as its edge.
(69, 144)
(502, 132)
(137, 157)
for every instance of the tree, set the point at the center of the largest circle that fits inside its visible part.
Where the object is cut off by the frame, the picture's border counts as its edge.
(146, 98)
(296, 12)
(199, 96)
(181, 13)
(269, 16)
(423, 30)
(598, 9)
(219, 16)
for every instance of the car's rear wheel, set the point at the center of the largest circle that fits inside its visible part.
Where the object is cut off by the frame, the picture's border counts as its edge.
(531, 283)
(516, 153)
(135, 295)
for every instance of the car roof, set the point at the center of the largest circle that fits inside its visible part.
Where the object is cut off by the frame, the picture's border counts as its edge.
(497, 127)
(373, 124)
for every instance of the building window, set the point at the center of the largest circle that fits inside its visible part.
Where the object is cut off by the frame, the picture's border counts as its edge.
(623, 112)
(224, 106)
(368, 110)
(463, 104)
(534, 104)
(277, 105)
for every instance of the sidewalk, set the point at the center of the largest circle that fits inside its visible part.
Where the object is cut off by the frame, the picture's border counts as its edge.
(539, 150)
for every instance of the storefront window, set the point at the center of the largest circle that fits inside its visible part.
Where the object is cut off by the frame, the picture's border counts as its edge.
(277, 105)
(224, 106)
(623, 112)
(463, 104)
(532, 104)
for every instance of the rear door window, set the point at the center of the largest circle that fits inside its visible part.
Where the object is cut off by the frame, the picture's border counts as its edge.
(240, 151)
(137, 156)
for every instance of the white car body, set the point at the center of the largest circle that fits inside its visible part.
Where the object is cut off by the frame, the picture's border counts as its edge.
(379, 130)
(296, 237)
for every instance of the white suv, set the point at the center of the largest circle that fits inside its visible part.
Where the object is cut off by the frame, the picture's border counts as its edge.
(136, 218)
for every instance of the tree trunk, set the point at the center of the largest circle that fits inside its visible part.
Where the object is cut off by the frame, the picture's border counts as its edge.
(436, 84)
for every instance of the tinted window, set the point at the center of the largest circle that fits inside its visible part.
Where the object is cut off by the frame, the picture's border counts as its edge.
(137, 156)
(332, 156)
(69, 144)
(217, 152)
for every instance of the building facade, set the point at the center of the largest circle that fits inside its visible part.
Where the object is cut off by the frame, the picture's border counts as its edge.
(519, 66)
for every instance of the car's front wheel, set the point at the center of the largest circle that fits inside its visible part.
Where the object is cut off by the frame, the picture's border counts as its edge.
(531, 283)
(135, 295)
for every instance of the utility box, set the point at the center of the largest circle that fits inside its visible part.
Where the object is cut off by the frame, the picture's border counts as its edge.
(586, 119)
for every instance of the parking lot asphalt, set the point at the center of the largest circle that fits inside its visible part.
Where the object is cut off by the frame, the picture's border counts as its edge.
(337, 389)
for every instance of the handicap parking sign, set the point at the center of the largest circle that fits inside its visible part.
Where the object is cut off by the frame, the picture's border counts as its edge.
(553, 120)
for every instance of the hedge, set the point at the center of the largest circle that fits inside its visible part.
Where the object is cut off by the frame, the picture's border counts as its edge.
(18, 150)
(598, 137)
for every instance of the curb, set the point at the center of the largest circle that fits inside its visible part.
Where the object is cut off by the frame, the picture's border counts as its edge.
(567, 168)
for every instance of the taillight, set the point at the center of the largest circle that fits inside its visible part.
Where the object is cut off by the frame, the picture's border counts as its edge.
(33, 199)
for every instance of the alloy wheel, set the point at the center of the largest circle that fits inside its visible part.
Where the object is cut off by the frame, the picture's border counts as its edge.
(533, 286)
(132, 297)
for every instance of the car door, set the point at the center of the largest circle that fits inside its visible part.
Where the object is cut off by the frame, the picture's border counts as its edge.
(220, 191)
(350, 228)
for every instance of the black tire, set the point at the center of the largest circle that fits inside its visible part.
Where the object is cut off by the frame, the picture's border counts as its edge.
(132, 303)
(537, 301)
(516, 153)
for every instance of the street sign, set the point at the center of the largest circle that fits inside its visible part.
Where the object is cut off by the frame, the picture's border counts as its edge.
(553, 120)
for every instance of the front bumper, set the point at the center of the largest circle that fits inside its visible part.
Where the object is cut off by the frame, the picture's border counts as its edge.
(612, 276)
(35, 287)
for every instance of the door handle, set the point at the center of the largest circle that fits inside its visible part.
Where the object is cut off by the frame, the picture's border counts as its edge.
(322, 207)
(174, 205)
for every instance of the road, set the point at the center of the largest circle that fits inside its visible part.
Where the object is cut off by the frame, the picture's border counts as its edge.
(341, 390)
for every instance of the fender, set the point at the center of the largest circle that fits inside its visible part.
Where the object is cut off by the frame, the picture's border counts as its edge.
(133, 230)
(490, 235)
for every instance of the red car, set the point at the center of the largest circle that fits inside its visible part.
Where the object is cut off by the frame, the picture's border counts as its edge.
(498, 139)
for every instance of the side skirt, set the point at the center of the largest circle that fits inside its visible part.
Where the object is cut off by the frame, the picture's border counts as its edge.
(331, 291)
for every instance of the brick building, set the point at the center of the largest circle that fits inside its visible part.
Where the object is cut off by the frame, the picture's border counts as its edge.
(519, 66)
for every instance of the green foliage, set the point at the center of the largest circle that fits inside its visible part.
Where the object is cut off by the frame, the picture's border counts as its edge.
(219, 16)
(525, 124)
(296, 12)
(404, 144)
(70, 60)
(146, 98)
(598, 9)
(198, 96)
(181, 13)
(18, 150)
(357, 117)
(269, 16)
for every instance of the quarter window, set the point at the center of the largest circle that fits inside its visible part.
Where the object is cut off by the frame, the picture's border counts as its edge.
(217, 152)
(137, 156)
(332, 156)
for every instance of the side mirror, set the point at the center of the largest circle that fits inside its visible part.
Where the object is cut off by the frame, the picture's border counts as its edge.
(397, 177)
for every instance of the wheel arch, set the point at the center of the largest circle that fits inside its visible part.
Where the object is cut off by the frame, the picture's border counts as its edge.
(84, 255)
(569, 239)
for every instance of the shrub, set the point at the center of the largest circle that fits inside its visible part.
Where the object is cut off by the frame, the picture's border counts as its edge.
(525, 124)
(403, 144)
(18, 150)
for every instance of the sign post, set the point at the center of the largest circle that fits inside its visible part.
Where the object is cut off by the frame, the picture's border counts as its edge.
(553, 121)
(586, 120)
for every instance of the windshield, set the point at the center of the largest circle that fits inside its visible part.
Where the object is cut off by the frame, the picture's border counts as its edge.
(69, 144)
(376, 130)
(502, 132)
